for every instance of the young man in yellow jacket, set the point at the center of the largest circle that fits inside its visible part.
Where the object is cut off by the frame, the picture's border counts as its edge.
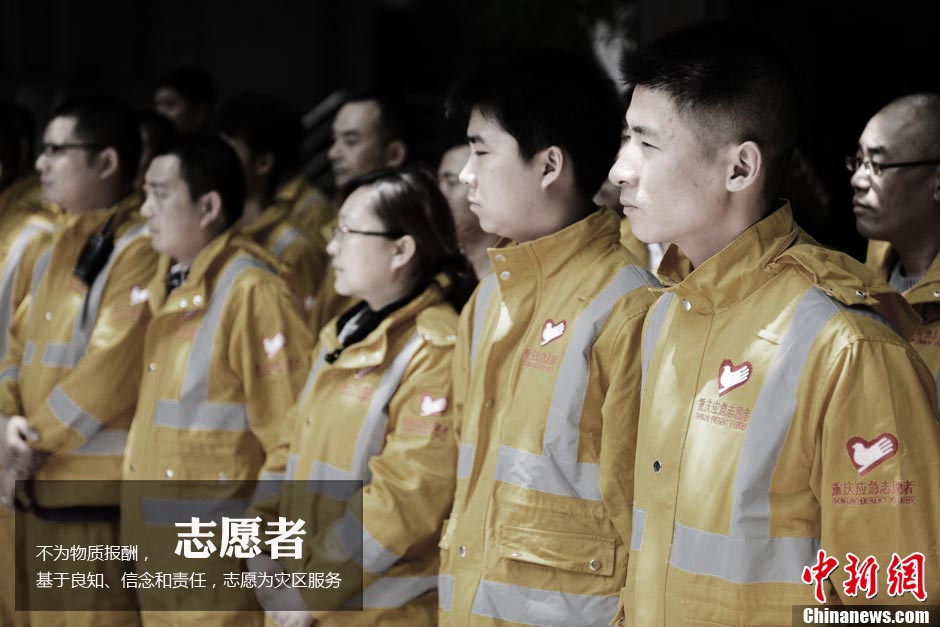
(226, 351)
(265, 133)
(547, 356)
(71, 379)
(896, 184)
(785, 427)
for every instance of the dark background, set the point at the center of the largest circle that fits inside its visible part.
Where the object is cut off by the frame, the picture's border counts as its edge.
(851, 57)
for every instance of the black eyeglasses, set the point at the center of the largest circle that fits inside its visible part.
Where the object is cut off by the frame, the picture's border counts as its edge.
(875, 169)
(342, 230)
(57, 149)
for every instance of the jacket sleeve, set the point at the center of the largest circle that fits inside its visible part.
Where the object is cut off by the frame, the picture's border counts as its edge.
(102, 387)
(877, 395)
(410, 494)
(269, 352)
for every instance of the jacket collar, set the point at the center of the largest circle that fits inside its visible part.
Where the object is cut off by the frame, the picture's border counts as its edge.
(372, 350)
(736, 271)
(539, 259)
(266, 221)
(882, 257)
(125, 212)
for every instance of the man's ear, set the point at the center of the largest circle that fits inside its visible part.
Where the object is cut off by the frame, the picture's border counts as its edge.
(107, 162)
(395, 154)
(551, 161)
(263, 164)
(405, 250)
(746, 164)
(210, 210)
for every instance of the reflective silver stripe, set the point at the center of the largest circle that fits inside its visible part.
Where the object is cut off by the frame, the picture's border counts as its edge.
(28, 349)
(557, 469)
(445, 592)
(8, 279)
(193, 410)
(391, 592)
(314, 370)
(742, 560)
(71, 415)
(361, 546)
(9, 373)
(104, 443)
(168, 512)
(39, 270)
(748, 554)
(636, 535)
(465, 460)
(371, 436)
(67, 355)
(286, 238)
(291, 469)
(546, 608)
(480, 306)
(203, 416)
(654, 328)
(547, 474)
(267, 475)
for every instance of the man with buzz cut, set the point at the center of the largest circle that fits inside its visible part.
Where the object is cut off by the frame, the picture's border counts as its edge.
(69, 379)
(896, 185)
(787, 430)
(547, 355)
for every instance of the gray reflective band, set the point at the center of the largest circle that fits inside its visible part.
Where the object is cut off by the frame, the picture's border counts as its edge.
(546, 608)
(636, 535)
(168, 512)
(193, 410)
(654, 327)
(361, 546)
(557, 469)
(748, 554)
(291, 469)
(464, 460)
(312, 376)
(9, 373)
(8, 279)
(28, 349)
(445, 592)
(546, 474)
(741, 560)
(372, 434)
(285, 239)
(267, 475)
(391, 592)
(39, 269)
(479, 313)
(67, 355)
(71, 415)
(104, 443)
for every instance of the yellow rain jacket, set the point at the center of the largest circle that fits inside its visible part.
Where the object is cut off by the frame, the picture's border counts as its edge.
(780, 415)
(303, 265)
(225, 357)
(26, 226)
(310, 209)
(72, 369)
(547, 362)
(380, 414)
(923, 297)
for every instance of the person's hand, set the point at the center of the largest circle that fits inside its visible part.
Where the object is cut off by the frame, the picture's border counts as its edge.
(285, 606)
(20, 457)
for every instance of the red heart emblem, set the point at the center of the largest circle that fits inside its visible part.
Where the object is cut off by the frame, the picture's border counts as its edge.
(867, 455)
(731, 376)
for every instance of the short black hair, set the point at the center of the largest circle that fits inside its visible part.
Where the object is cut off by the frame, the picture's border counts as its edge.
(160, 130)
(191, 82)
(265, 124)
(394, 118)
(733, 81)
(106, 122)
(544, 98)
(208, 163)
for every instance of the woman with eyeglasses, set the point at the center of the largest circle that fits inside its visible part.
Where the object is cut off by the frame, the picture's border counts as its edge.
(376, 409)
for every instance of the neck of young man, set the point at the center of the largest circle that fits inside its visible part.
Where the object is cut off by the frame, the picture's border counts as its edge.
(918, 251)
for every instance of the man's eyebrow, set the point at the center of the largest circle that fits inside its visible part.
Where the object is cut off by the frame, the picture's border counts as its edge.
(160, 184)
(639, 129)
(475, 139)
(872, 150)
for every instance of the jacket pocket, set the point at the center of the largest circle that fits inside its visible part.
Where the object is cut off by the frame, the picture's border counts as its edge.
(575, 552)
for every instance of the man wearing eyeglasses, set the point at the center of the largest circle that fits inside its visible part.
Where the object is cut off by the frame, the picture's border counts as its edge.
(896, 201)
(69, 380)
